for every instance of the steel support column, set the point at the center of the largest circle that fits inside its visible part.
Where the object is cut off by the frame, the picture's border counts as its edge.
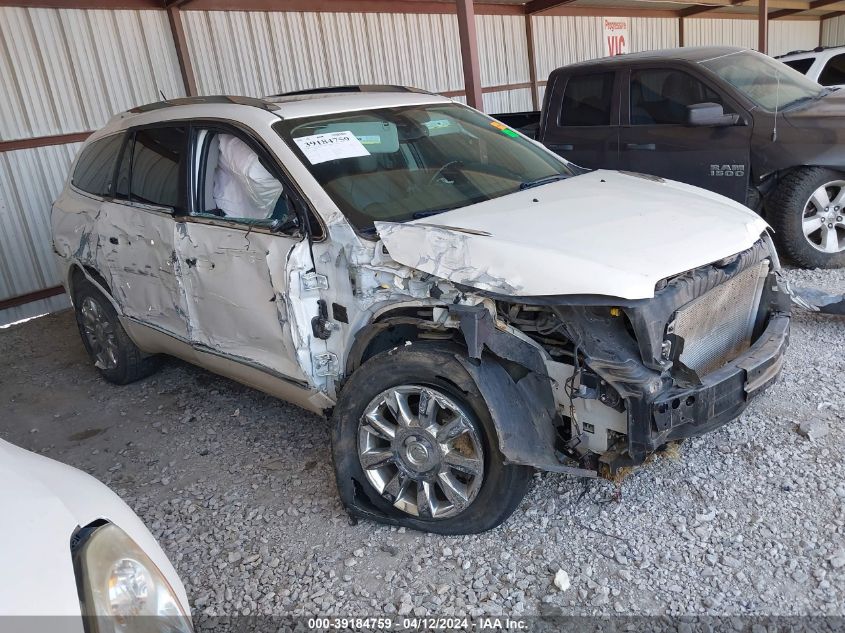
(182, 54)
(469, 53)
(532, 62)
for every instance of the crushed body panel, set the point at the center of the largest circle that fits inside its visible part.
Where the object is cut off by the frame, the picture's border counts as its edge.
(602, 233)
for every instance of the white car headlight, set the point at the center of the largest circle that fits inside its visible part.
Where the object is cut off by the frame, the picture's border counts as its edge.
(122, 590)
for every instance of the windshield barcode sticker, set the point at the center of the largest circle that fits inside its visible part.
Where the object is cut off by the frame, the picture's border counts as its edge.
(320, 148)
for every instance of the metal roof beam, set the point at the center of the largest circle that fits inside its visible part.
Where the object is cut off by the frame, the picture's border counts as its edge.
(815, 4)
(534, 7)
(688, 13)
(85, 4)
(784, 7)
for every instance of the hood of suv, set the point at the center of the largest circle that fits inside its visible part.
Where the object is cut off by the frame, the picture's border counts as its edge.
(602, 233)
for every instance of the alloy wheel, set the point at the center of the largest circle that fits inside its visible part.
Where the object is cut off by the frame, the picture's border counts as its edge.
(421, 451)
(100, 334)
(823, 221)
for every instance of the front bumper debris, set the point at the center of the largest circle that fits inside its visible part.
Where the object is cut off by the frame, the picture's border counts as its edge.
(724, 393)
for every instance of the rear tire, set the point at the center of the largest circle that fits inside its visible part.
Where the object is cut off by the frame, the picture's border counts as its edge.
(807, 212)
(114, 354)
(419, 473)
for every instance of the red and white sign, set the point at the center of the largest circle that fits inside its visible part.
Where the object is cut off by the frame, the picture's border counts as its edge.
(615, 36)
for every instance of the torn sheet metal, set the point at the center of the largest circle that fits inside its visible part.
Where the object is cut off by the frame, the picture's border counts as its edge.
(816, 300)
(236, 294)
(140, 260)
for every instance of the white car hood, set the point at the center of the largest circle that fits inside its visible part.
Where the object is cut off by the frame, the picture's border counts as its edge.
(602, 233)
(43, 502)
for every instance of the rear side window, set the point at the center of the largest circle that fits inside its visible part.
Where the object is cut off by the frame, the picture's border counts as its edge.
(157, 173)
(587, 100)
(834, 71)
(661, 97)
(801, 65)
(95, 167)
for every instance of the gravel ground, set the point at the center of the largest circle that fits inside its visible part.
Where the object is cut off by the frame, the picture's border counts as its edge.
(239, 489)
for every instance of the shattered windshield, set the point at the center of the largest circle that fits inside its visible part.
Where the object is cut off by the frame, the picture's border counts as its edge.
(399, 164)
(770, 84)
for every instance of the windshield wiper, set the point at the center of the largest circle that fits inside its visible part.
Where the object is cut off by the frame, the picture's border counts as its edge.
(429, 212)
(528, 184)
(805, 99)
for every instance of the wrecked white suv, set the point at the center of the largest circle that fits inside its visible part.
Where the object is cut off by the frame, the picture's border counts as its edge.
(464, 303)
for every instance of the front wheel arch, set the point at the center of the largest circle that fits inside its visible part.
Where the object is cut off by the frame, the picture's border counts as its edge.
(437, 365)
(393, 330)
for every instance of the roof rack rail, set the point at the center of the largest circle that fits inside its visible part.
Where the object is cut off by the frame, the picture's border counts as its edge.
(817, 49)
(351, 88)
(218, 99)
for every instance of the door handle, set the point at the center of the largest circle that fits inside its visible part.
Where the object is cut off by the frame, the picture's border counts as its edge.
(646, 146)
(114, 241)
(566, 147)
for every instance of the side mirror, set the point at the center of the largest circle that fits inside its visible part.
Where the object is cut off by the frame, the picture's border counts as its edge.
(709, 115)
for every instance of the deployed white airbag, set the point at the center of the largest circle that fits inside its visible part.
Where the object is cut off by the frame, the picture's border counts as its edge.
(243, 188)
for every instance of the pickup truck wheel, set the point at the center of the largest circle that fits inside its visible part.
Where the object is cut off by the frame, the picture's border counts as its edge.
(422, 449)
(114, 354)
(808, 214)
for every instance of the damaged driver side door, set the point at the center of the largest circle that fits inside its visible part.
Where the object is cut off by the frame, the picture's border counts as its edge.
(237, 250)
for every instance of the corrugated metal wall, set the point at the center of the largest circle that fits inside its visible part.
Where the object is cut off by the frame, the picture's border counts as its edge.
(561, 40)
(784, 35)
(69, 70)
(30, 180)
(258, 54)
(261, 53)
(792, 35)
(502, 50)
(714, 32)
(648, 34)
(503, 53)
(66, 71)
(833, 32)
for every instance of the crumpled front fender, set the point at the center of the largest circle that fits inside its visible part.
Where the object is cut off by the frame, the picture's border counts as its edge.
(523, 413)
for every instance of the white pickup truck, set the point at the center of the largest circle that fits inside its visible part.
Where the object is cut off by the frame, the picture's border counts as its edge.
(465, 304)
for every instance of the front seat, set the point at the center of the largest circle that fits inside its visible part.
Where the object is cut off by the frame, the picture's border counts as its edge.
(677, 93)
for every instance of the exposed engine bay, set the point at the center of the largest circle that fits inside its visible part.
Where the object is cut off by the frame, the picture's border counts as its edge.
(627, 378)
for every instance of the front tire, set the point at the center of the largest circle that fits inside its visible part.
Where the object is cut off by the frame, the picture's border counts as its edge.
(414, 435)
(807, 212)
(114, 354)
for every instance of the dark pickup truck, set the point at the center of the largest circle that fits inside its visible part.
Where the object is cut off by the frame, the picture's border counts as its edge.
(726, 119)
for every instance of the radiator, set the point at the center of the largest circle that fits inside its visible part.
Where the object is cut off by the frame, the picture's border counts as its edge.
(717, 327)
